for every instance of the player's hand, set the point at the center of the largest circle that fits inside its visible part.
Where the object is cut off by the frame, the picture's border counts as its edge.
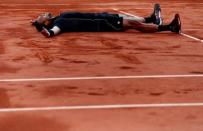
(32, 22)
(45, 32)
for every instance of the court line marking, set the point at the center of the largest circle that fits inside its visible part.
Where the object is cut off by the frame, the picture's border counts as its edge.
(94, 107)
(183, 34)
(115, 9)
(14, 9)
(101, 78)
(191, 37)
(93, 4)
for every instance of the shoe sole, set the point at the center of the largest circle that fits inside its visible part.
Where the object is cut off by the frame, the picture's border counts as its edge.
(177, 18)
(157, 13)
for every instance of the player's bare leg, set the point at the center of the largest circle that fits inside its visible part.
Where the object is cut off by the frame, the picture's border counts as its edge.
(174, 26)
(143, 27)
(135, 18)
(154, 18)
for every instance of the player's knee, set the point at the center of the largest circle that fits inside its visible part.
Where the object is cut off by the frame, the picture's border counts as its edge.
(131, 24)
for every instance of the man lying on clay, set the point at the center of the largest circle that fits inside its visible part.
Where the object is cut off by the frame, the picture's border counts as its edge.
(50, 25)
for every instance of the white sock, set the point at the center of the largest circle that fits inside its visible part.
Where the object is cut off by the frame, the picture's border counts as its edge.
(136, 18)
(56, 30)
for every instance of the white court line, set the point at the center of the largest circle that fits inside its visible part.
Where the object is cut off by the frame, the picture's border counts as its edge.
(33, 9)
(123, 12)
(100, 107)
(101, 78)
(93, 4)
(13, 9)
(183, 34)
(191, 37)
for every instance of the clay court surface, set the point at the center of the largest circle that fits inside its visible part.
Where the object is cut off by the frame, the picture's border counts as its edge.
(28, 60)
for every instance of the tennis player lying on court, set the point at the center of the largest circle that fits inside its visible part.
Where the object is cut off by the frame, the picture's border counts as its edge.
(50, 25)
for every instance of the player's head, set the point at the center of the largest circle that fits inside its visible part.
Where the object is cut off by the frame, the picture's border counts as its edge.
(44, 18)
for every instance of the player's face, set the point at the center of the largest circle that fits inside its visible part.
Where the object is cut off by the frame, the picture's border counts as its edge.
(44, 18)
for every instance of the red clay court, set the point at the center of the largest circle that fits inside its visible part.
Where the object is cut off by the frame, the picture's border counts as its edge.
(117, 81)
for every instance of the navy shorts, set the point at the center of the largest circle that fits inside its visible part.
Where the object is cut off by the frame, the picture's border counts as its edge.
(88, 22)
